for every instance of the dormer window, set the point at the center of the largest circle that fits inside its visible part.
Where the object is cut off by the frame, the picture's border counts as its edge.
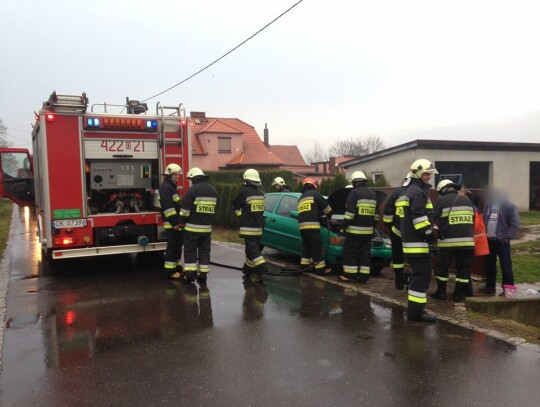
(224, 144)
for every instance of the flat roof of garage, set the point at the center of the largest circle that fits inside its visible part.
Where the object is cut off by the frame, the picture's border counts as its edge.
(446, 145)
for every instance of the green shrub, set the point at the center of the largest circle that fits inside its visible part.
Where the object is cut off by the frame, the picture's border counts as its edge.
(6, 207)
(225, 215)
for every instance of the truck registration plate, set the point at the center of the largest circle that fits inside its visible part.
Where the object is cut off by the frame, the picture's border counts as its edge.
(69, 223)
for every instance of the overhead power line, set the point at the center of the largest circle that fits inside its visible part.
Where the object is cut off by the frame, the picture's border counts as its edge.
(24, 131)
(227, 53)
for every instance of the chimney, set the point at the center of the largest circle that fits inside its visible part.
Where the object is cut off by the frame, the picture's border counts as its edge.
(266, 136)
(197, 115)
(333, 168)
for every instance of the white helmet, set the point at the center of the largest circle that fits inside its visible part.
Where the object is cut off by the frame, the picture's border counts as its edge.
(358, 176)
(252, 175)
(421, 167)
(173, 169)
(278, 181)
(445, 183)
(195, 172)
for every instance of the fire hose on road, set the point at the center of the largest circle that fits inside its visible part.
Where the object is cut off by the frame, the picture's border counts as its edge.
(284, 271)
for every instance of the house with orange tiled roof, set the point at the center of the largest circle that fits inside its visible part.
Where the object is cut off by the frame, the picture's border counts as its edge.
(228, 143)
(291, 156)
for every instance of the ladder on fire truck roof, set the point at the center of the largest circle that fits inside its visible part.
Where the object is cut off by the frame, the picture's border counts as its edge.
(171, 126)
(66, 103)
(178, 111)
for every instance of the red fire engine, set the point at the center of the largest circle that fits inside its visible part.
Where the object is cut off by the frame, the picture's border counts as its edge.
(94, 176)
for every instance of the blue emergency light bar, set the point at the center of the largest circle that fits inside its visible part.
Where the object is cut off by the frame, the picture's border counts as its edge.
(92, 122)
(151, 124)
(120, 124)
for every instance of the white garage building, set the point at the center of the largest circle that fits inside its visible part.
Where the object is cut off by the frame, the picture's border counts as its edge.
(512, 166)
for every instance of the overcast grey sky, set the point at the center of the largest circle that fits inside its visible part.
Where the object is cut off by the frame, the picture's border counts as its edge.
(327, 70)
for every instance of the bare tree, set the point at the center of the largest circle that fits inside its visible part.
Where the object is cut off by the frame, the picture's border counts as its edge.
(357, 146)
(374, 143)
(316, 154)
(4, 142)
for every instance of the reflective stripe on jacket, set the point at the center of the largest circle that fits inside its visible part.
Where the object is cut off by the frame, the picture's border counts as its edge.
(390, 216)
(199, 208)
(311, 206)
(454, 215)
(415, 211)
(169, 201)
(362, 211)
(249, 207)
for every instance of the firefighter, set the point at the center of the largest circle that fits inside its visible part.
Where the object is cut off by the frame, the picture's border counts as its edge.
(196, 215)
(311, 207)
(362, 212)
(169, 201)
(249, 207)
(454, 214)
(280, 185)
(415, 210)
(391, 220)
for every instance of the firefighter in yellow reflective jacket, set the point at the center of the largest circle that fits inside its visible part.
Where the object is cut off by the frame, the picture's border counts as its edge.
(392, 221)
(362, 212)
(311, 207)
(249, 207)
(454, 214)
(169, 201)
(196, 216)
(415, 211)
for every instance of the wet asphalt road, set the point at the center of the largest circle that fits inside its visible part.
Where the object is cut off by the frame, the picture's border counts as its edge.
(113, 332)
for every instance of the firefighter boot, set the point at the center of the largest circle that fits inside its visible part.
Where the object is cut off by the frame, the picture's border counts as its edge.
(246, 271)
(191, 276)
(440, 294)
(399, 279)
(178, 274)
(415, 312)
(461, 292)
(201, 278)
(363, 278)
(324, 271)
(258, 275)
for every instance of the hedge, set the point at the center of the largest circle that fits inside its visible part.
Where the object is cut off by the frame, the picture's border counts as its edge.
(236, 177)
(228, 183)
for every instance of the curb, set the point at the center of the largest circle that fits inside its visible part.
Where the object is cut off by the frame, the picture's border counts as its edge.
(512, 340)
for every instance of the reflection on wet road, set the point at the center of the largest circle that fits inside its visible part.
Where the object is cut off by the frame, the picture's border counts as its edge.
(113, 332)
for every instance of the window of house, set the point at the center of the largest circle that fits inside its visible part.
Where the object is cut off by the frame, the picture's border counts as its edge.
(377, 176)
(224, 144)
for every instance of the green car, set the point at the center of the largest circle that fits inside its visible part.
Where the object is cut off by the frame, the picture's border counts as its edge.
(281, 230)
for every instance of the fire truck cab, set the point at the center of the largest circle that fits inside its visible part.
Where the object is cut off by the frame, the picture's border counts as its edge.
(94, 176)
